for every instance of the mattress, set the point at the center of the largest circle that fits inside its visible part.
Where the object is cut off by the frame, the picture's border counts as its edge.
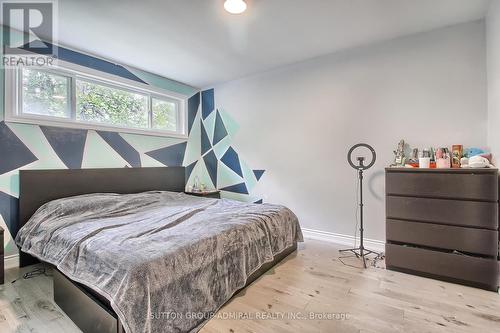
(164, 261)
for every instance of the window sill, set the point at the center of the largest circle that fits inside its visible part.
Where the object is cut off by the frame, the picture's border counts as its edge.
(90, 126)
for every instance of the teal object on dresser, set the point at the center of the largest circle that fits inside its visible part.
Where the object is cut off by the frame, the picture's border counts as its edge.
(443, 223)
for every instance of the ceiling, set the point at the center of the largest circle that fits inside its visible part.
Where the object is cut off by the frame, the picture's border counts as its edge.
(198, 43)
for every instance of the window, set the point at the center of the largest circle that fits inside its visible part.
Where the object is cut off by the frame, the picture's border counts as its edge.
(45, 94)
(71, 98)
(101, 104)
(164, 114)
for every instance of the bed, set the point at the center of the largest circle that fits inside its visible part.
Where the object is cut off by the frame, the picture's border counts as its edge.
(132, 252)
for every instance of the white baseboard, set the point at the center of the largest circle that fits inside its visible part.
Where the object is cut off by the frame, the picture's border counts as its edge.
(371, 244)
(11, 261)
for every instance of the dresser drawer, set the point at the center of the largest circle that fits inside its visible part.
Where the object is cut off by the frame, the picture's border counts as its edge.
(453, 212)
(471, 186)
(478, 241)
(459, 268)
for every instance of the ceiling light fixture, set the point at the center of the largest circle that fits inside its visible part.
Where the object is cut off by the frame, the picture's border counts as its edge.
(235, 6)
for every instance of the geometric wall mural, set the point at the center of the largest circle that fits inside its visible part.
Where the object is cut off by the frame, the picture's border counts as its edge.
(207, 153)
(25, 146)
(218, 165)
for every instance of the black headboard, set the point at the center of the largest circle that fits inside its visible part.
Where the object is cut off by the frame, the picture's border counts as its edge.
(38, 187)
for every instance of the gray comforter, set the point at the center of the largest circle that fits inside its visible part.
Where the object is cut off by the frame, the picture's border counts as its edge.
(165, 261)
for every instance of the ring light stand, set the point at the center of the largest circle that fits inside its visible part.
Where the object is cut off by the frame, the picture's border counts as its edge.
(361, 252)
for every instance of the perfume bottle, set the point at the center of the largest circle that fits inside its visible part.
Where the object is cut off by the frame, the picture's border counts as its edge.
(196, 185)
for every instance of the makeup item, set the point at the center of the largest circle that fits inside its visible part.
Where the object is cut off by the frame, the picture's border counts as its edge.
(196, 185)
(457, 153)
(424, 162)
(442, 158)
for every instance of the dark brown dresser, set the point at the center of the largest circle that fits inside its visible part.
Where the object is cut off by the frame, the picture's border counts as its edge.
(443, 223)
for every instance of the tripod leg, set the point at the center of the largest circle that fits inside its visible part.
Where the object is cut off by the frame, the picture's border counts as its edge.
(345, 250)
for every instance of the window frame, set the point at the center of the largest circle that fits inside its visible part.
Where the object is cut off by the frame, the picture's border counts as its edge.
(14, 95)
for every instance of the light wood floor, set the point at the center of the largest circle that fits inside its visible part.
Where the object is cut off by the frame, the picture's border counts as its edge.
(312, 281)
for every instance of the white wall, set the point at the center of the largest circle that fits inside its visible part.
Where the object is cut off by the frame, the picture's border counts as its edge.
(299, 121)
(493, 61)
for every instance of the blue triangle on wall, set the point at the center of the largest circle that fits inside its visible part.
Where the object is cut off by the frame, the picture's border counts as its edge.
(9, 211)
(171, 155)
(205, 141)
(237, 188)
(211, 164)
(258, 173)
(230, 158)
(68, 144)
(220, 131)
(95, 63)
(193, 104)
(258, 201)
(207, 102)
(189, 169)
(14, 154)
(122, 147)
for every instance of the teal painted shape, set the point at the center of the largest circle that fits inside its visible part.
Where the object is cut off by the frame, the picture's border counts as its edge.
(220, 131)
(249, 176)
(231, 159)
(238, 197)
(68, 143)
(227, 177)
(211, 164)
(200, 171)
(193, 149)
(207, 102)
(237, 188)
(171, 155)
(9, 183)
(122, 147)
(221, 147)
(231, 125)
(145, 143)
(13, 152)
(149, 162)
(205, 141)
(163, 82)
(189, 170)
(9, 211)
(33, 137)
(193, 107)
(98, 154)
(209, 124)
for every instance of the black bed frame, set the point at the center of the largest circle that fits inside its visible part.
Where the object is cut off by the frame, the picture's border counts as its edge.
(90, 311)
